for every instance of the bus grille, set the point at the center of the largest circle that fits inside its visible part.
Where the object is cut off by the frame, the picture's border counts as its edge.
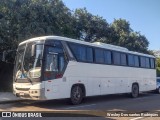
(25, 95)
(23, 89)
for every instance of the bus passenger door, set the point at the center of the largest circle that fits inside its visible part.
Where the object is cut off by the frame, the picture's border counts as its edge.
(55, 65)
(50, 72)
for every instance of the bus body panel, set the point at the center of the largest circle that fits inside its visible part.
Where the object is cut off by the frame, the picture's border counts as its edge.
(98, 79)
(100, 82)
(96, 82)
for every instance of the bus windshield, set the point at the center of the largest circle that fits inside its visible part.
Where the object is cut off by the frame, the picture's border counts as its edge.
(28, 66)
(19, 59)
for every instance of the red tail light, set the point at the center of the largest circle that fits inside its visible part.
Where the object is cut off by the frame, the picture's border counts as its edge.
(59, 76)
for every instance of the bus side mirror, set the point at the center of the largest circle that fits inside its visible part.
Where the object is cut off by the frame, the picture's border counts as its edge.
(9, 56)
(33, 50)
(4, 56)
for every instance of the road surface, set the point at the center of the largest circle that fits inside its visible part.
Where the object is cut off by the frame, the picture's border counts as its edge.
(92, 107)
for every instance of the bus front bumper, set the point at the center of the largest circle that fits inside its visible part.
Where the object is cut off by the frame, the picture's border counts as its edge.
(30, 94)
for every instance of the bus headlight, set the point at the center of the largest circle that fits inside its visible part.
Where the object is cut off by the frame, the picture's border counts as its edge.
(34, 92)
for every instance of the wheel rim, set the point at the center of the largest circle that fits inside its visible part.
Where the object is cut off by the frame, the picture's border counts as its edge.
(76, 94)
(135, 91)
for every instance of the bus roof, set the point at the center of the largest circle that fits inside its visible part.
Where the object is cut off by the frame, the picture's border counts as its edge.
(95, 44)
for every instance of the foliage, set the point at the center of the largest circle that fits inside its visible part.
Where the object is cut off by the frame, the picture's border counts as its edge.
(90, 27)
(158, 71)
(24, 19)
(158, 66)
(6, 74)
(158, 62)
(126, 37)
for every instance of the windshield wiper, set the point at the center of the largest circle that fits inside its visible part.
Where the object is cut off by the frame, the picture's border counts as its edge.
(22, 70)
(29, 80)
(17, 68)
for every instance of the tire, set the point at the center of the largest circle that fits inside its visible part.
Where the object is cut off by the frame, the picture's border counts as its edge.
(76, 95)
(135, 91)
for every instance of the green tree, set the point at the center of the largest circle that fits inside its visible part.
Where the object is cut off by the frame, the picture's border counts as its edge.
(89, 27)
(158, 66)
(24, 19)
(124, 36)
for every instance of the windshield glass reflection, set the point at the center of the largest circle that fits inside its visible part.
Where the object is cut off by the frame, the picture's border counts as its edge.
(32, 64)
(19, 60)
(29, 66)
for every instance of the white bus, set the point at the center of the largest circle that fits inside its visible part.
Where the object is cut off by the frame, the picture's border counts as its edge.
(52, 67)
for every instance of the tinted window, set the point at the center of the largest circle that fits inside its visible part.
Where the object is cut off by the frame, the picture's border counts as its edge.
(152, 62)
(79, 51)
(55, 62)
(107, 57)
(136, 61)
(158, 79)
(89, 54)
(99, 56)
(116, 58)
(143, 61)
(130, 60)
(32, 62)
(123, 59)
(147, 63)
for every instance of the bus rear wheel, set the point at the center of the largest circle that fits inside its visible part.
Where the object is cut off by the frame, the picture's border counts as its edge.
(135, 91)
(76, 95)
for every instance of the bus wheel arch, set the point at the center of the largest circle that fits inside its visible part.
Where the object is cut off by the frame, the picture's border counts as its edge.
(77, 93)
(135, 90)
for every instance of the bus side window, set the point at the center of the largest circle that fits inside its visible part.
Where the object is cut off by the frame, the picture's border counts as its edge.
(107, 57)
(79, 51)
(89, 55)
(55, 61)
(136, 61)
(99, 56)
(131, 60)
(123, 59)
(152, 61)
(143, 62)
(116, 58)
(147, 63)
(51, 62)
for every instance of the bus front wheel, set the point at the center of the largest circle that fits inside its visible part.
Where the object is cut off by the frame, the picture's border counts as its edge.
(135, 91)
(76, 95)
